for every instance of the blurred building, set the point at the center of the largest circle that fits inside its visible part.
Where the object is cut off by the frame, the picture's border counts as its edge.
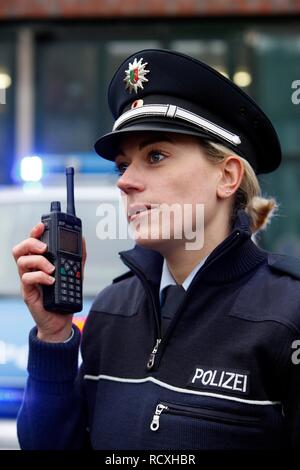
(57, 56)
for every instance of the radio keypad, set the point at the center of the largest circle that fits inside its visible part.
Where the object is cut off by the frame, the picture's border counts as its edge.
(71, 283)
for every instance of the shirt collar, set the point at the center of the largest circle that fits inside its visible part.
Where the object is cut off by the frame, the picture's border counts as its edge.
(167, 279)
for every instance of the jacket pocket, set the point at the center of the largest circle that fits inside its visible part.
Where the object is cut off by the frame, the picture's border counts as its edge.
(203, 413)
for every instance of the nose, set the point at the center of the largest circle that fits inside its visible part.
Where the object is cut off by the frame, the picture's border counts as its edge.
(131, 180)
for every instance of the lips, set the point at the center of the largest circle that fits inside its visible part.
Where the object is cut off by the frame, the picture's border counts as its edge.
(136, 209)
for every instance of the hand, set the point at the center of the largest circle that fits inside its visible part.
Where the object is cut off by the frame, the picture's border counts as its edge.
(34, 269)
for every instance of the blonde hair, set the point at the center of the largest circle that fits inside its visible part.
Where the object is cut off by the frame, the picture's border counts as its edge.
(248, 196)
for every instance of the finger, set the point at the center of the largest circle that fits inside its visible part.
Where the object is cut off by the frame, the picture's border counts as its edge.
(30, 245)
(38, 230)
(37, 277)
(36, 262)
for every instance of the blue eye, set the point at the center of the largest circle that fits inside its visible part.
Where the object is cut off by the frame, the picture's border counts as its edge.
(119, 169)
(156, 153)
(154, 156)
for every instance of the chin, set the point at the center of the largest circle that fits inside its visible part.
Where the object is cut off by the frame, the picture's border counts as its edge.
(162, 245)
(153, 237)
(148, 243)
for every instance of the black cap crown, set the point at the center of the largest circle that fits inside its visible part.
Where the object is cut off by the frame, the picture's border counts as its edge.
(162, 90)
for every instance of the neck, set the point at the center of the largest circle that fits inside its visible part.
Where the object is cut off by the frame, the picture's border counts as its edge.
(181, 261)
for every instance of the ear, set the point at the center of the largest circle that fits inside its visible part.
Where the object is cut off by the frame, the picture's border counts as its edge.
(231, 177)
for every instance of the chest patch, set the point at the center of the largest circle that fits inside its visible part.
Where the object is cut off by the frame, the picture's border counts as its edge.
(220, 380)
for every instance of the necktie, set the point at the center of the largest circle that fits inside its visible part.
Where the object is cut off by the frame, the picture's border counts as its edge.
(173, 297)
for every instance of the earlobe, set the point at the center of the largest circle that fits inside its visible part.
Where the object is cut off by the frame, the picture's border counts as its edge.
(224, 193)
(232, 175)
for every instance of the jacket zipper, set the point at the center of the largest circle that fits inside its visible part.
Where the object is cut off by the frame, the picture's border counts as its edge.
(155, 420)
(151, 361)
(200, 413)
(158, 338)
(160, 342)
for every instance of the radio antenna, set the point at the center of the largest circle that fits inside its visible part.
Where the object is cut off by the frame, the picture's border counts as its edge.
(70, 191)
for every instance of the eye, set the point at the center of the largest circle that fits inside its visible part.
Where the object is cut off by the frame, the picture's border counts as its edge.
(121, 168)
(156, 156)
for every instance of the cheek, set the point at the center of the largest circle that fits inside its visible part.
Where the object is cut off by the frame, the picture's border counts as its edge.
(178, 181)
(187, 184)
(194, 186)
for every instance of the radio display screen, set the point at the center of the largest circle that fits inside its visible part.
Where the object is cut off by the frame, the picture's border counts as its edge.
(68, 241)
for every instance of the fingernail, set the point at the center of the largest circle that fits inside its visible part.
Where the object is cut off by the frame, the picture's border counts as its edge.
(41, 245)
(51, 279)
(51, 269)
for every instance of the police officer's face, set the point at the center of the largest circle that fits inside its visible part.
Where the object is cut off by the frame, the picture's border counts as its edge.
(160, 171)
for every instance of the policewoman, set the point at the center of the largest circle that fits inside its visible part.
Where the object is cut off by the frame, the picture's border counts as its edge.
(190, 348)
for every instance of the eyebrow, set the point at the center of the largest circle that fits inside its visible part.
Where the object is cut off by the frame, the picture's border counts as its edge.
(154, 140)
(151, 140)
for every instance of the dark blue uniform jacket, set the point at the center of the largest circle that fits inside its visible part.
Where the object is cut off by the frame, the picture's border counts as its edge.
(224, 376)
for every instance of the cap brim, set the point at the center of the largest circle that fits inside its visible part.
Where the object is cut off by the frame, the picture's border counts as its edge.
(108, 146)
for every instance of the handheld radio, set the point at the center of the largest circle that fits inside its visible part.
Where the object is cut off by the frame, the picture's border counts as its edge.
(63, 235)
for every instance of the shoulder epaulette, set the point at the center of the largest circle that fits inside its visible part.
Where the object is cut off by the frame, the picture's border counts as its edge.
(123, 276)
(284, 263)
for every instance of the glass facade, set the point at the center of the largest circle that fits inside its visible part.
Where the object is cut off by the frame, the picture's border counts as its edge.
(275, 57)
(66, 97)
(7, 96)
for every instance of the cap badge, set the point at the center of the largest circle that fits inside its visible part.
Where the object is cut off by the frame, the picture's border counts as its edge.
(135, 75)
(137, 104)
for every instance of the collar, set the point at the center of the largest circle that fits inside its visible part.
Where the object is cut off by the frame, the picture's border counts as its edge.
(231, 259)
(167, 279)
